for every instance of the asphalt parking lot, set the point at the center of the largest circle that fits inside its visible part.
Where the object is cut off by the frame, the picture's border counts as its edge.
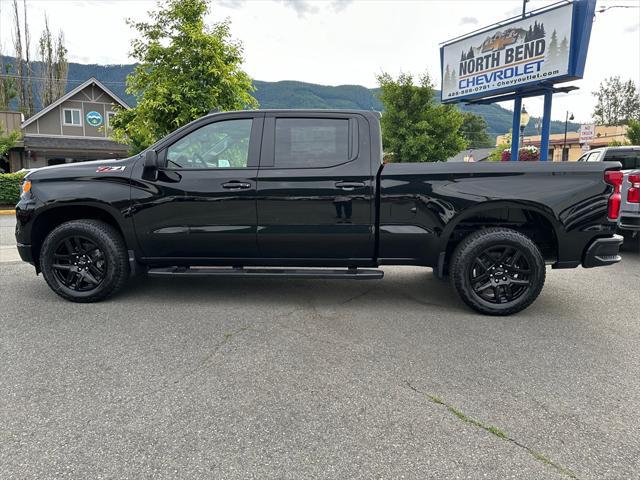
(233, 378)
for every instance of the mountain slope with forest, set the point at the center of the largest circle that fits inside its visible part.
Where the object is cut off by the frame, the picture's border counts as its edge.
(294, 94)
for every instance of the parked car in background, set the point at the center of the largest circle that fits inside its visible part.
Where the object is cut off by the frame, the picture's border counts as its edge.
(630, 210)
(629, 158)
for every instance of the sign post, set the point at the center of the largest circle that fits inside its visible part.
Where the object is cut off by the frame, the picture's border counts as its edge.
(521, 57)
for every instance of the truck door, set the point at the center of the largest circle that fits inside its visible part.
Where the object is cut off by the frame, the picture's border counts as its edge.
(315, 189)
(203, 202)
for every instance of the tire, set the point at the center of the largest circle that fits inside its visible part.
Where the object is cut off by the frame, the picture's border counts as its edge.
(84, 260)
(497, 271)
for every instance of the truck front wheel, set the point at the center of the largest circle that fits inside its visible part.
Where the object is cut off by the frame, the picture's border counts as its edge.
(497, 271)
(84, 260)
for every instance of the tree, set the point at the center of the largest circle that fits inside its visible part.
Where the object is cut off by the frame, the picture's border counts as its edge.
(185, 70)
(23, 62)
(617, 102)
(7, 142)
(415, 128)
(563, 51)
(633, 132)
(552, 55)
(474, 131)
(8, 88)
(54, 65)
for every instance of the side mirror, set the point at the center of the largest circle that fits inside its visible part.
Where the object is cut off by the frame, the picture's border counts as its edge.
(150, 171)
(151, 159)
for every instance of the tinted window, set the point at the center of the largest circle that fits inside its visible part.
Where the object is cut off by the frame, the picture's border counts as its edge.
(629, 160)
(216, 145)
(311, 142)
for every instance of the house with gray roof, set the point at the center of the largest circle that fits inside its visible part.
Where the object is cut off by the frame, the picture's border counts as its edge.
(74, 128)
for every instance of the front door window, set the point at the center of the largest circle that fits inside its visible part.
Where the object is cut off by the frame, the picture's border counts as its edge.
(216, 145)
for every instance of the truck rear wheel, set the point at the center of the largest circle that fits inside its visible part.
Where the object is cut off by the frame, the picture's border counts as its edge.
(84, 260)
(497, 271)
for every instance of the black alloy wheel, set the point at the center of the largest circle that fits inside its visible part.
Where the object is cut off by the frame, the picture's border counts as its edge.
(84, 260)
(500, 274)
(497, 271)
(79, 263)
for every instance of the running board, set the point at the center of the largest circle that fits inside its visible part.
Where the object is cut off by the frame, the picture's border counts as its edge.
(351, 273)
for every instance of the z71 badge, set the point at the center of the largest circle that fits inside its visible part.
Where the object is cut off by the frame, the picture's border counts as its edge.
(110, 169)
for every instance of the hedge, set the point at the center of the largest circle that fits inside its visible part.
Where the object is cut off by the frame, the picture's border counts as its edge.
(10, 185)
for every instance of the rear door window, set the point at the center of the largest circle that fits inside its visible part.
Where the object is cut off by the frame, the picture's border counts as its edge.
(311, 142)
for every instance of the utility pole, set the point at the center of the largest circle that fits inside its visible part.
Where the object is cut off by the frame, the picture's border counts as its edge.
(524, 7)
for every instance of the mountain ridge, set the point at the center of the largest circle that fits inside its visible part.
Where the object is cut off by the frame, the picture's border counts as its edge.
(294, 94)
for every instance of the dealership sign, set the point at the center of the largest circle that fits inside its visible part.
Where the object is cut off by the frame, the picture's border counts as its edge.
(545, 47)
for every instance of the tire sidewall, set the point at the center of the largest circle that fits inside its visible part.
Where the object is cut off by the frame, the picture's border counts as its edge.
(104, 242)
(464, 263)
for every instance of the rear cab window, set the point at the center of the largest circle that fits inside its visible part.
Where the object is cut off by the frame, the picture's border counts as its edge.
(313, 142)
(630, 159)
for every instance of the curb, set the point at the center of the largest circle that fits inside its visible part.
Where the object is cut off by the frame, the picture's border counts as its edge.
(7, 212)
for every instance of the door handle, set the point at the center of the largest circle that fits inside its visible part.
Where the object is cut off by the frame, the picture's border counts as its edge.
(236, 185)
(349, 186)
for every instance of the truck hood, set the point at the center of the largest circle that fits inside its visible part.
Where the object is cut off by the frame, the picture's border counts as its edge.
(93, 167)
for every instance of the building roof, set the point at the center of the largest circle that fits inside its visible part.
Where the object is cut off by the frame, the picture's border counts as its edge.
(479, 154)
(53, 142)
(70, 94)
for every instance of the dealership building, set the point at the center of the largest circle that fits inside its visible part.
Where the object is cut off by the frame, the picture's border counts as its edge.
(73, 128)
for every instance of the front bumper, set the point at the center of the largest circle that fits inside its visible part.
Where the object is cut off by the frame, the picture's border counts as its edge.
(603, 251)
(25, 253)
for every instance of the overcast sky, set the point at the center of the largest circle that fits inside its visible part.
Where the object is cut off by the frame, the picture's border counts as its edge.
(336, 42)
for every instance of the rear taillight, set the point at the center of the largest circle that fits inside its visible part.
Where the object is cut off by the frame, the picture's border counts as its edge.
(633, 195)
(614, 178)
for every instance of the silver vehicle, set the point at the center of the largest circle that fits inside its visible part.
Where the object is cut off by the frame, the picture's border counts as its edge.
(629, 157)
(629, 222)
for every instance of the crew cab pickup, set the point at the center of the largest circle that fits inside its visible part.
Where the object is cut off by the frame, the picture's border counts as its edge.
(305, 194)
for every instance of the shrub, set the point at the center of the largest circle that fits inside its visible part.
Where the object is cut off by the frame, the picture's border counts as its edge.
(10, 186)
(526, 154)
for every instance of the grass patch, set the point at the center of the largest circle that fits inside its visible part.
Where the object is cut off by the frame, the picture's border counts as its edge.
(495, 431)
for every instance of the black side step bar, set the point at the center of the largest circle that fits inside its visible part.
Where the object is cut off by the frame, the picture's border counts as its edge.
(351, 273)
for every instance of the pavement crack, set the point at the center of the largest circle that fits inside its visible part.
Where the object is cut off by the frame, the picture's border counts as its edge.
(495, 431)
(355, 297)
(199, 366)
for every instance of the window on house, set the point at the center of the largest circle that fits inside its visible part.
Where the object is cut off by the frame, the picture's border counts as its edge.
(110, 115)
(72, 117)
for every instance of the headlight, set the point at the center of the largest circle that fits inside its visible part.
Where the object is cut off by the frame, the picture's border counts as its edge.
(26, 187)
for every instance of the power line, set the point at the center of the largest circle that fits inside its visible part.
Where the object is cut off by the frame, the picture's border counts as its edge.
(605, 8)
(24, 77)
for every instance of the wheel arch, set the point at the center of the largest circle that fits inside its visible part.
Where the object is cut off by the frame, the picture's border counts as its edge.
(534, 220)
(50, 218)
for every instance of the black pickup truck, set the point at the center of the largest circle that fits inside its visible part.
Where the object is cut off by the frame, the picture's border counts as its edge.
(305, 194)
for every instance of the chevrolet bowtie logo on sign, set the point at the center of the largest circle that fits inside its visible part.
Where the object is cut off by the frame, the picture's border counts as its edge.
(532, 50)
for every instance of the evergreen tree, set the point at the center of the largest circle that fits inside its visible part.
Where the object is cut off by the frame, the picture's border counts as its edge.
(552, 53)
(563, 53)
